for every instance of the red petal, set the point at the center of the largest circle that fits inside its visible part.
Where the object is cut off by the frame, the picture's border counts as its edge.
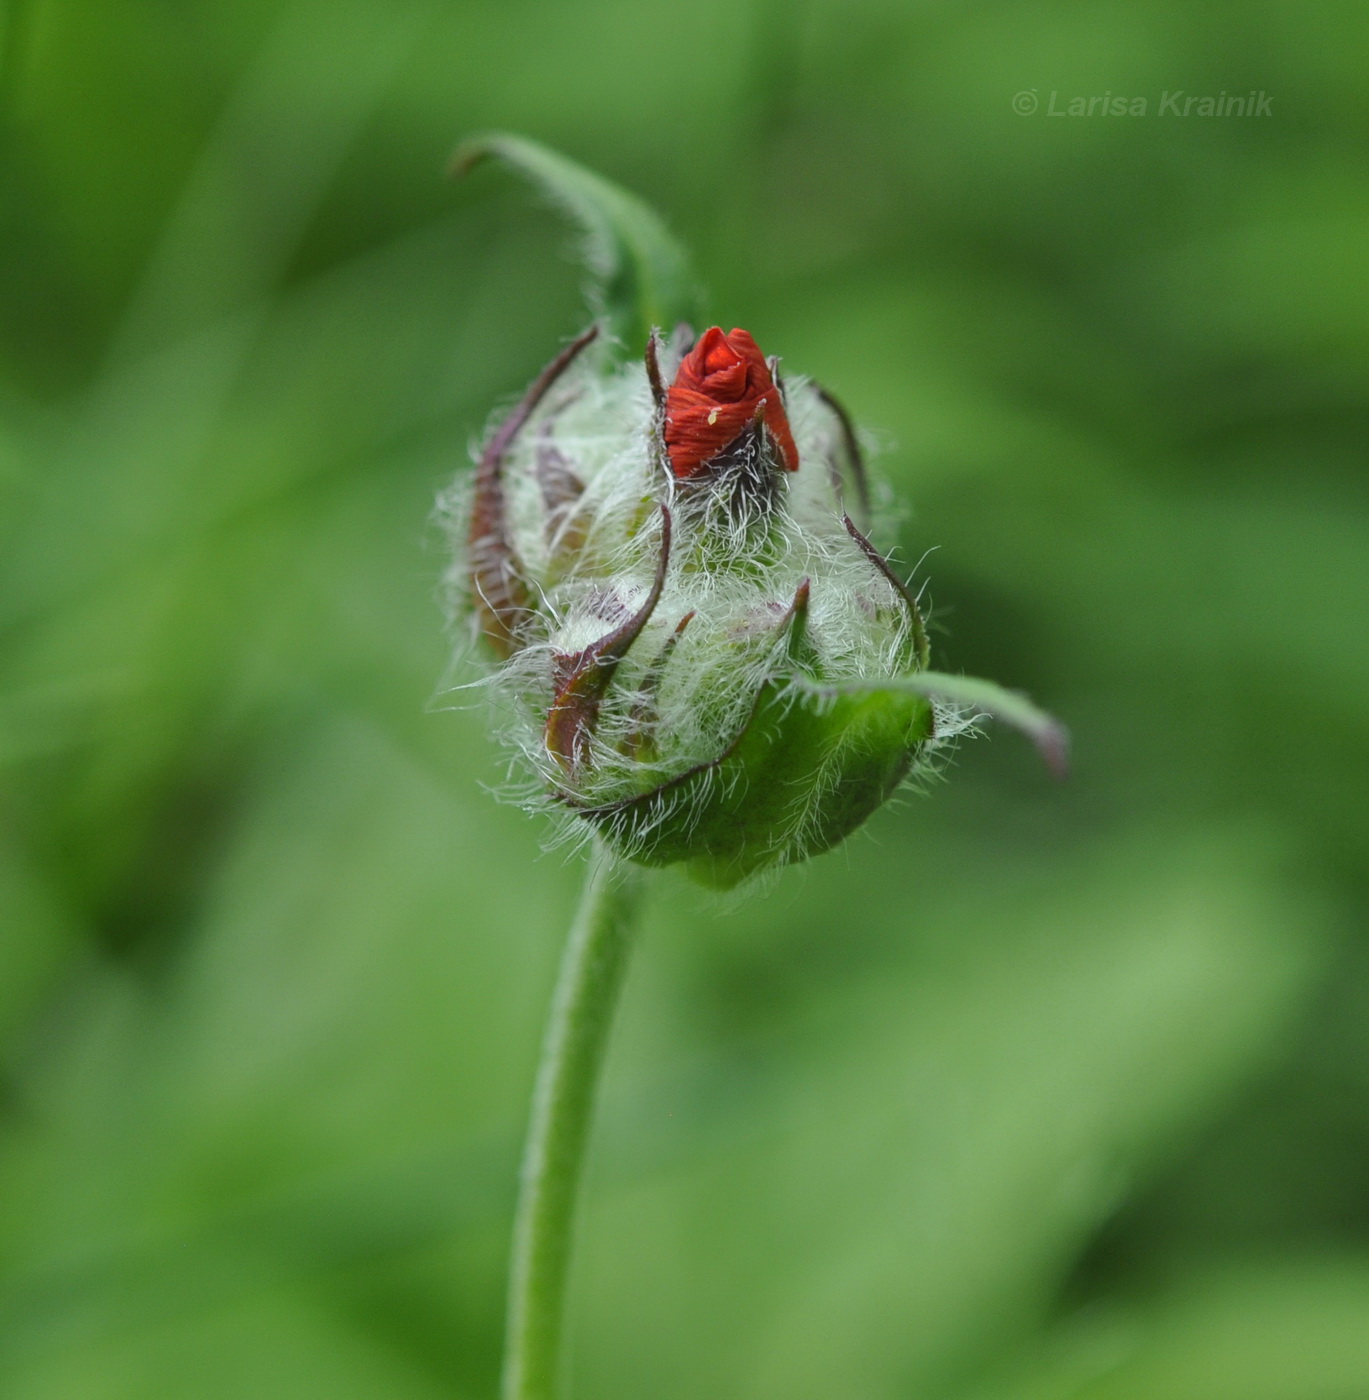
(721, 385)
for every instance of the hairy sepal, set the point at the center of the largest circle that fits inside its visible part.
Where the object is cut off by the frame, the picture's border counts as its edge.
(810, 765)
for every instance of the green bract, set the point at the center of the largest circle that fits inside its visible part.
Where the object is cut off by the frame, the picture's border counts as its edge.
(704, 658)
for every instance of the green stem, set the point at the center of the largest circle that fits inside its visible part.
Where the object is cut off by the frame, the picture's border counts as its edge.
(592, 970)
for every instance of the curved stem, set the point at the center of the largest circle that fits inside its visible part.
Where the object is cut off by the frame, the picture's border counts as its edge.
(592, 970)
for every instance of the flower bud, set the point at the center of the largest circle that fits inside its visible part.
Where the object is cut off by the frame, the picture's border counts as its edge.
(704, 658)
(708, 662)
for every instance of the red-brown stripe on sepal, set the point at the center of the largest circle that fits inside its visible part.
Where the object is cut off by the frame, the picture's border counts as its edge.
(504, 600)
(921, 646)
(854, 456)
(582, 678)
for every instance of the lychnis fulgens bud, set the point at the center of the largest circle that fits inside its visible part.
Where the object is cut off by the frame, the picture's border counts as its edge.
(707, 659)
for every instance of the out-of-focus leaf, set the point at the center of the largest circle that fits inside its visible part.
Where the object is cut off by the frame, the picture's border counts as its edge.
(276, 1345)
(39, 940)
(918, 1156)
(326, 1080)
(1261, 1331)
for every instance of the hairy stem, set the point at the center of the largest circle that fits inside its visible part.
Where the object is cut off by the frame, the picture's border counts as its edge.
(592, 970)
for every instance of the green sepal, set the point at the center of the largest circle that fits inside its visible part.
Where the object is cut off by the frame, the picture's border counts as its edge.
(812, 763)
(641, 275)
(807, 769)
(1010, 707)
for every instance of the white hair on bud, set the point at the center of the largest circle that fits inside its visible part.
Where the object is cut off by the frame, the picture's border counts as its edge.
(584, 482)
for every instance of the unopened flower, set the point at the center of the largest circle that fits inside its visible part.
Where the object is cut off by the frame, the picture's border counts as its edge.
(706, 659)
(723, 385)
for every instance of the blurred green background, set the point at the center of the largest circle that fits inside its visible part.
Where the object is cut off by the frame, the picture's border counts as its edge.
(1028, 1091)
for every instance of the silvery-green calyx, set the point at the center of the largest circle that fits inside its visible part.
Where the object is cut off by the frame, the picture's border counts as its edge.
(707, 659)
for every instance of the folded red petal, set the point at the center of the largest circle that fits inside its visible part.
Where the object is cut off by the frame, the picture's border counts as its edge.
(723, 385)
